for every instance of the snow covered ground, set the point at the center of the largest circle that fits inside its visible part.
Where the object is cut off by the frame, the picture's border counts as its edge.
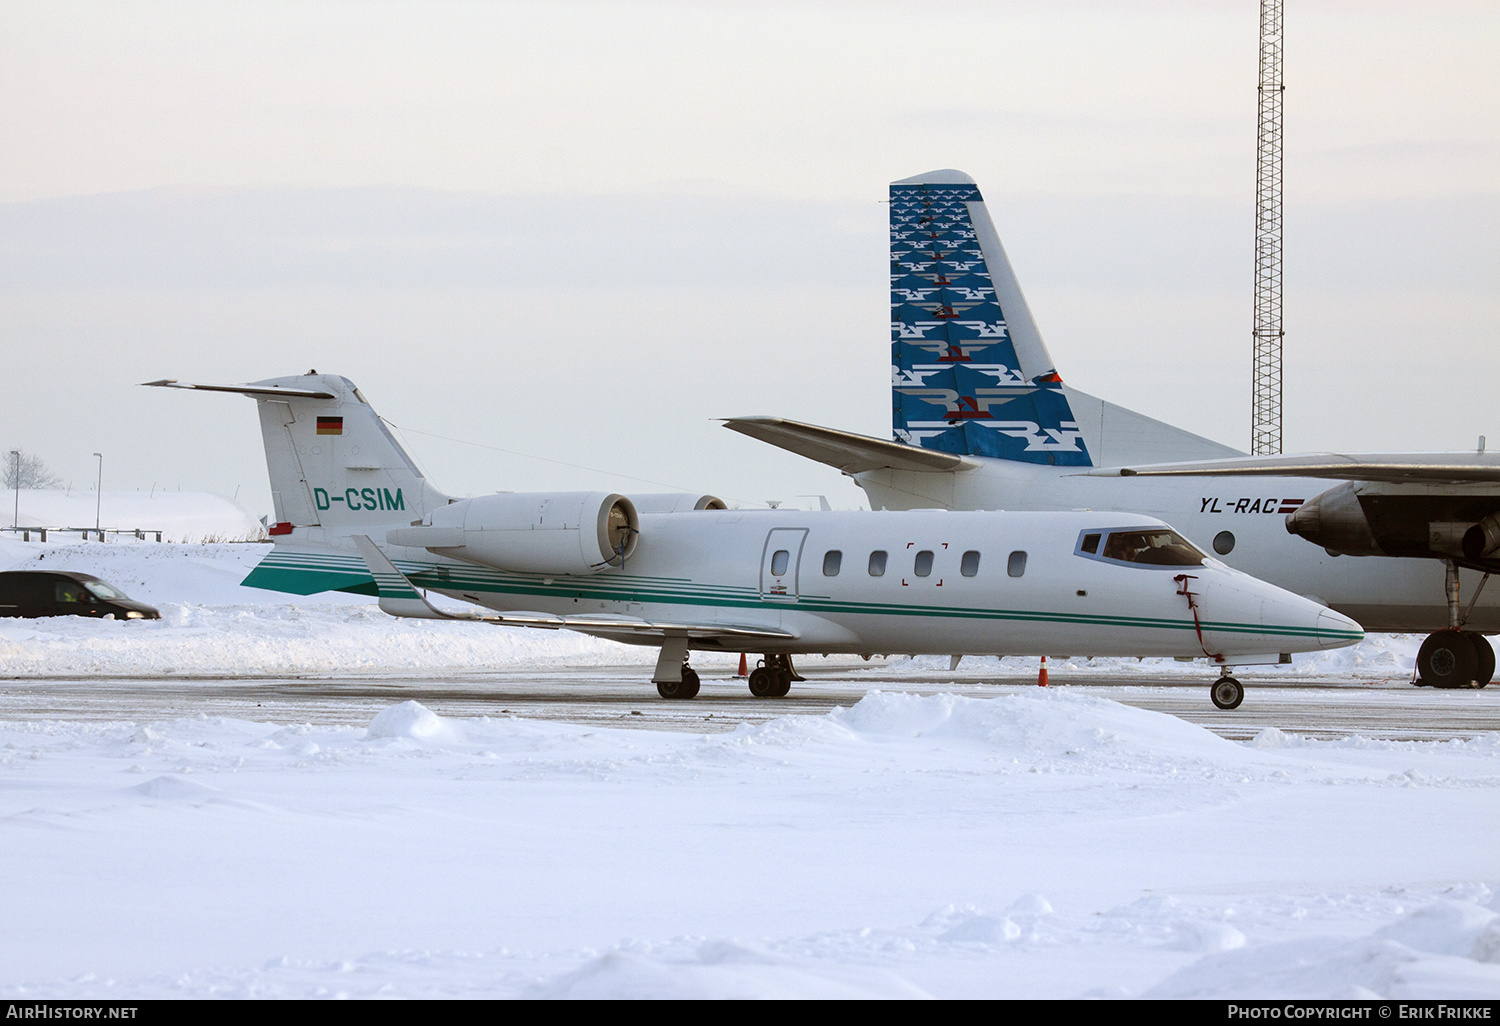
(1036, 844)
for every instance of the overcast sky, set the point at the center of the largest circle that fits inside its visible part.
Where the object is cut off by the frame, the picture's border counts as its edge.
(582, 232)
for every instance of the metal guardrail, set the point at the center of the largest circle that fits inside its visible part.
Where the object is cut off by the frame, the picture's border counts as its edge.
(139, 532)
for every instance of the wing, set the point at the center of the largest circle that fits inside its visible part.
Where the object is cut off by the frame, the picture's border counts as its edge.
(399, 597)
(1394, 468)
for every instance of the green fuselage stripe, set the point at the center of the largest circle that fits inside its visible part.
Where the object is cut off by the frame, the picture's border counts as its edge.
(304, 574)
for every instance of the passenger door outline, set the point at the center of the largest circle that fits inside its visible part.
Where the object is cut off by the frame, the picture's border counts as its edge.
(782, 587)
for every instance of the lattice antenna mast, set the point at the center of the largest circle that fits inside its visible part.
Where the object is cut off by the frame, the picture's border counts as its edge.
(1265, 401)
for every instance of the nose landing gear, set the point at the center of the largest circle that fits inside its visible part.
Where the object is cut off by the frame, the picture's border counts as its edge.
(1226, 692)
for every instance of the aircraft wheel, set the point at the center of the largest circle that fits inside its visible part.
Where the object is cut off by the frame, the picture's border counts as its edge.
(1485, 672)
(1449, 659)
(685, 688)
(1227, 693)
(783, 684)
(762, 683)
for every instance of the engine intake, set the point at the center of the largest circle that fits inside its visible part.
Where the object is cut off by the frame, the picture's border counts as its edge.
(552, 533)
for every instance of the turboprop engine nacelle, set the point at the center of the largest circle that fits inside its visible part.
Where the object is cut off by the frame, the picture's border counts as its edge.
(1365, 519)
(1336, 520)
(556, 533)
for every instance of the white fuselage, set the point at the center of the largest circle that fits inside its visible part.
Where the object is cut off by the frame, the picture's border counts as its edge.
(1029, 590)
(1383, 594)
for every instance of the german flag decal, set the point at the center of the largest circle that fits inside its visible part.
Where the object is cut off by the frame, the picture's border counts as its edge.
(330, 425)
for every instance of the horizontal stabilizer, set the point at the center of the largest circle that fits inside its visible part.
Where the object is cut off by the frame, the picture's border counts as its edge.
(844, 450)
(1386, 467)
(257, 391)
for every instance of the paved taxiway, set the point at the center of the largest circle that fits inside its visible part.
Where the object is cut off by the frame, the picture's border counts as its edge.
(623, 697)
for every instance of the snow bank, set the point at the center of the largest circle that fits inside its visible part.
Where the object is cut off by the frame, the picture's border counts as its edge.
(412, 720)
(1036, 845)
(1447, 949)
(1055, 728)
(720, 970)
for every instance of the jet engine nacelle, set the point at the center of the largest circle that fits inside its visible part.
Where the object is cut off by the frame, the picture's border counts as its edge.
(676, 502)
(553, 533)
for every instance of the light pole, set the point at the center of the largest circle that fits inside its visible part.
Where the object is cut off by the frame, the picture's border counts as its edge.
(15, 519)
(99, 495)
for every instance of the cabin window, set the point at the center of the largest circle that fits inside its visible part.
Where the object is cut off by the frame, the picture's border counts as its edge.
(832, 560)
(779, 561)
(877, 563)
(970, 565)
(1224, 542)
(1158, 547)
(1090, 544)
(1016, 565)
(70, 591)
(923, 565)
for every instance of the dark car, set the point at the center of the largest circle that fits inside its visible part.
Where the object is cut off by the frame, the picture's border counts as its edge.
(63, 593)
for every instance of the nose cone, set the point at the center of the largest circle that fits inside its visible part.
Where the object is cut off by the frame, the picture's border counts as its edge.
(1335, 630)
(1282, 621)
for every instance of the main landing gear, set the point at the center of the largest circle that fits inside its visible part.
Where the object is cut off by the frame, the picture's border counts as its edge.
(674, 678)
(772, 677)
(687, 687)
(1455, 658)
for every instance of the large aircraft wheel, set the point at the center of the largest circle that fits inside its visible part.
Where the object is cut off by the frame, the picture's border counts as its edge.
(763, 683)
(1449, 659)
(685, 688)
(1227, 693)
(1485, 672)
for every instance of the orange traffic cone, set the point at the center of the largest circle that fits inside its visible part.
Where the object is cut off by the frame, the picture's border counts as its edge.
(1041, 678)
(744, 667)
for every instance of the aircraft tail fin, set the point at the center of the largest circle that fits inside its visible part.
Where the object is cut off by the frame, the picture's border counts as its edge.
(332, 461)
(970, 373)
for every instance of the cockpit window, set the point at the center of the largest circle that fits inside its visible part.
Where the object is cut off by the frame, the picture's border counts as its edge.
(1154, 547)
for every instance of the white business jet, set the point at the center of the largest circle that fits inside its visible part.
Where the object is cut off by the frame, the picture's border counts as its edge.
(982, 420)
(683, 573)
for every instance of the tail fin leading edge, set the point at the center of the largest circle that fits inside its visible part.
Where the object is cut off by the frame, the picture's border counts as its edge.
(969, 371)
